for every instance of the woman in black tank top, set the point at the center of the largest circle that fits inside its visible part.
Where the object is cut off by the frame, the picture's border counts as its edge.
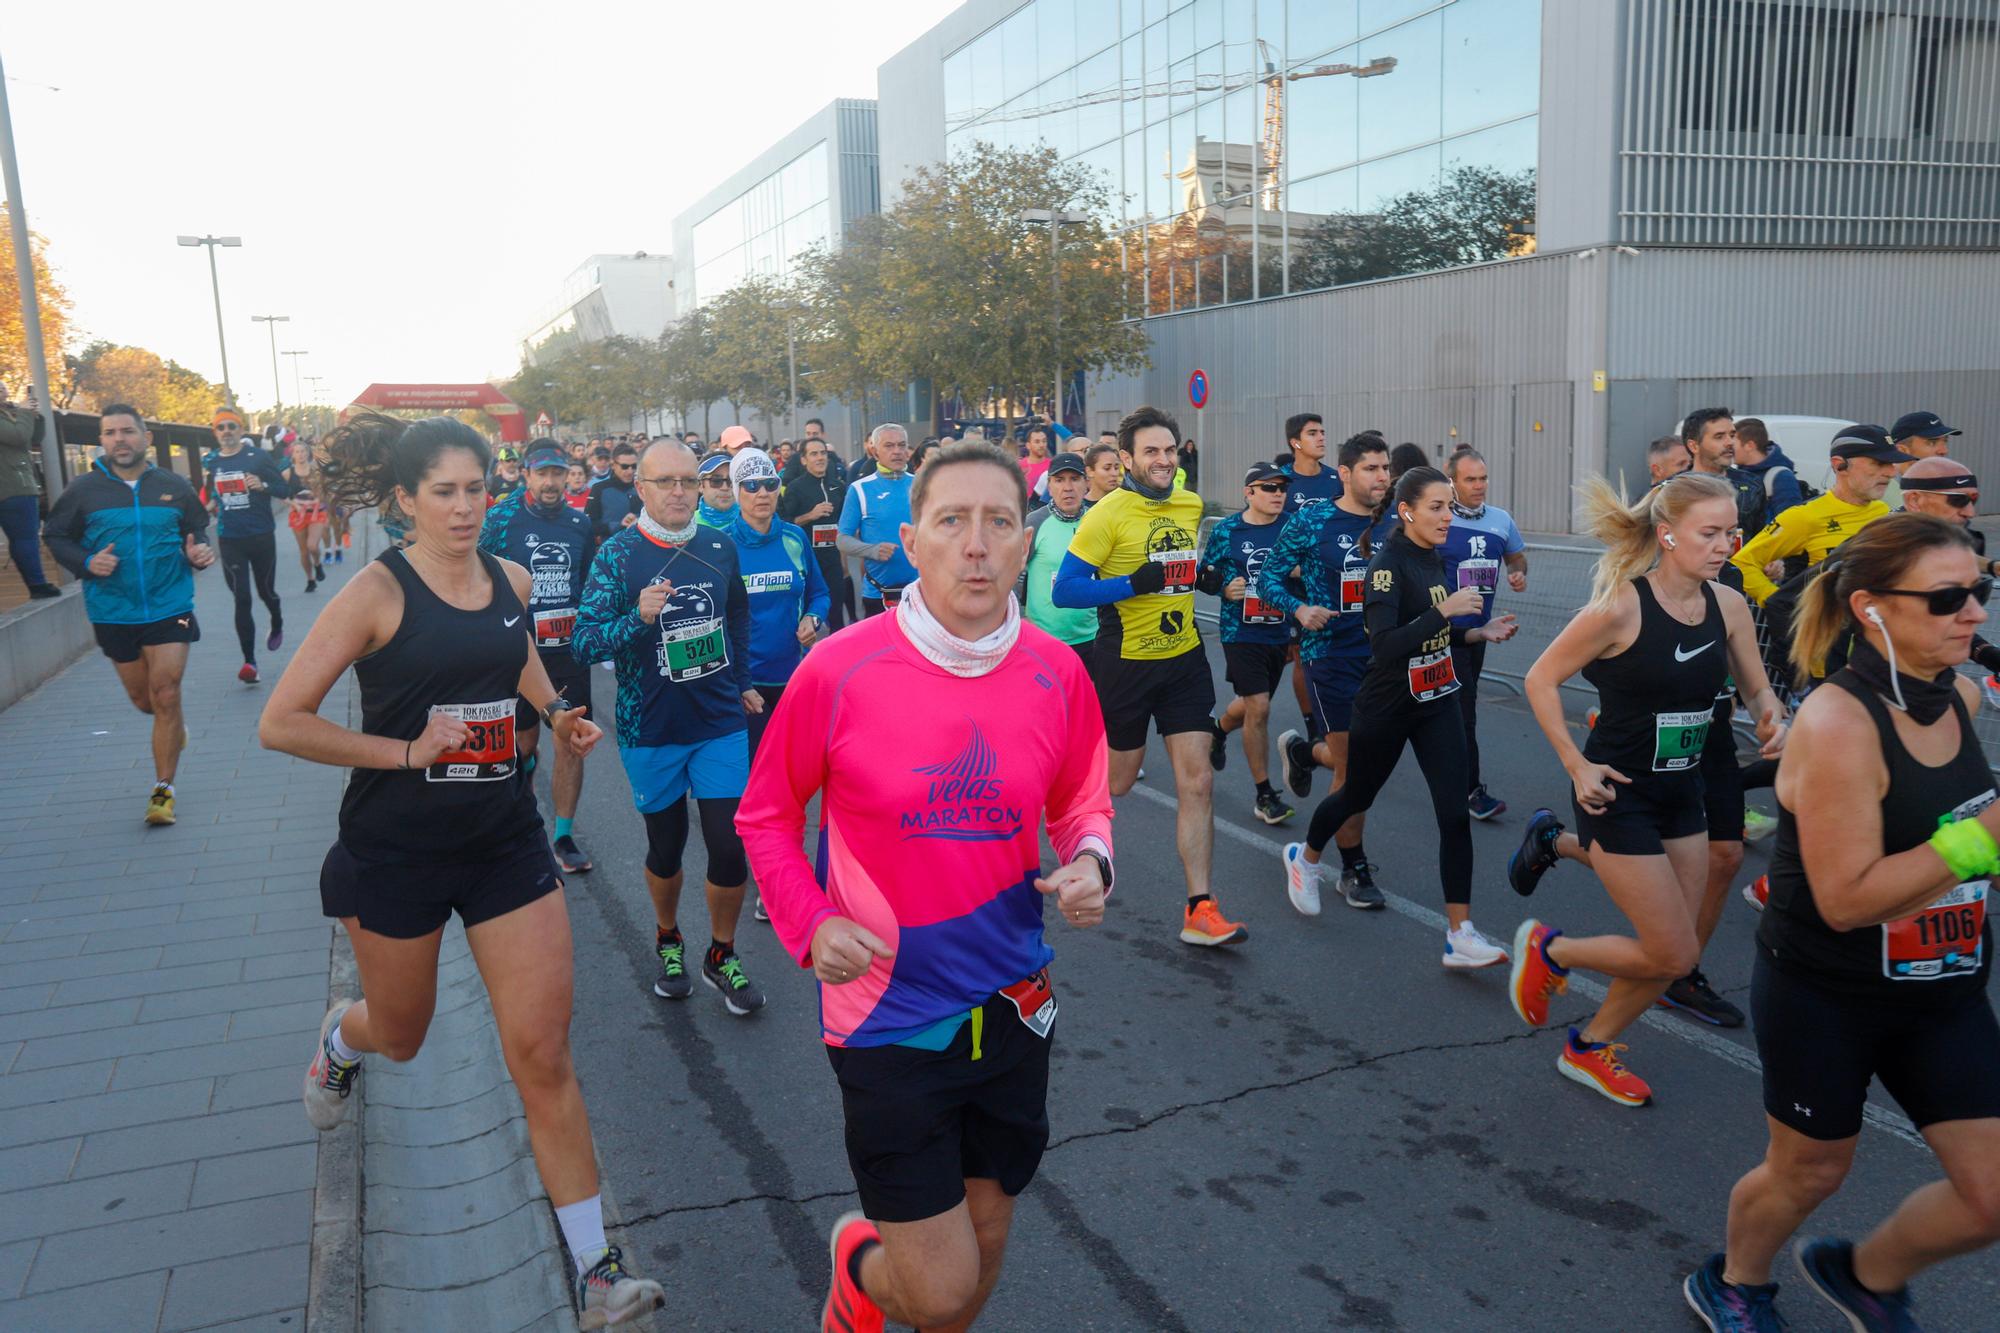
(437, 817)
(1657, 640)
(1874, 950)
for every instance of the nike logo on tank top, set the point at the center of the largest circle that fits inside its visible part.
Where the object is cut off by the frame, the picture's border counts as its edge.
(1657, 698)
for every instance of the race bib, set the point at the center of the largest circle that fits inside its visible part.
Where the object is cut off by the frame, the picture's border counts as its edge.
(892, 597)
(233, 489)
(826, 534)
(488, 752)
(1946, 939)
(1353, 588)
(1035, 1001)
(1257, 612)
(553, 628)
(1180, 569)
(1678, 738)
(692, 651)
(1481, 574)
(1432, 676)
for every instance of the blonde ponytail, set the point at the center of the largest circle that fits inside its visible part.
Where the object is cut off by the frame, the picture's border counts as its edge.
(1627, 527)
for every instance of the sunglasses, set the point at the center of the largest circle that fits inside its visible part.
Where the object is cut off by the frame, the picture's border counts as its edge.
(760, 485)
(625, 467)
(1960, 501)
(1270, 488)
(1944, 601)
(722, 481)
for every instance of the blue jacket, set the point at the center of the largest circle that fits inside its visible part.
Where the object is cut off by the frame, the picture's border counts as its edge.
(239, 511)
(146, 524)
(556, 548)
(1779, 477)
(782, 578)
(875, 509)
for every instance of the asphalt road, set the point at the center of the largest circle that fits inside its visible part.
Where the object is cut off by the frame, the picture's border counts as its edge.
(1319, 1129)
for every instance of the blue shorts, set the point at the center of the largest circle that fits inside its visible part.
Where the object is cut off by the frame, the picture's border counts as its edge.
(714, 769)
(1332, 683)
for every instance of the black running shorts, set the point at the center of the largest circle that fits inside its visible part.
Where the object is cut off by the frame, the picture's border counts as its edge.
(1820, 1046)
(1175, 694)
(572, 681)
(922, 1123)
(121, 643)
(1645, 816)
(1253, 668)
(407, 900)
(1722, 784)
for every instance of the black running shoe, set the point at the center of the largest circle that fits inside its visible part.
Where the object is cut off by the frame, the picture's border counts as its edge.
(674, 982)
(1536, 855)
(1218, 748)
(1693, 995)
(572, 858)
(275, 639)
(1482, 804)
(1295, 756)
(311, 584)
(1271, 808)
(319, 571)
(1828, 1266)
(739, 994)
(1357, 885)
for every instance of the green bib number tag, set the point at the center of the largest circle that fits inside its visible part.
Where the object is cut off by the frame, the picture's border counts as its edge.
(1678, 738)
(694, 651)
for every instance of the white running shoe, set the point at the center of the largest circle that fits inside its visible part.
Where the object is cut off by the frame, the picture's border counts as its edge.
(328, 1082)
(1466, 947)
(1301, 879)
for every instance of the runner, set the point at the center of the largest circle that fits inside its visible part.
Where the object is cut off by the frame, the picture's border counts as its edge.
(1483, 538)
(1667, 457)
(434, 819)
(812, 499)
(935, 1001)
(1311, 478)
(1133, 558)
(1328, 545)
(665, 603)
(1644, 640)
(1035, 464)
(1864, 463)
(1050, 531)
(1873, 958)
(554, 543)
(1760, 456)
(507, 477)
(872, 517)
(717, 506)
(1254, 634)
(614, 497)
(132, 533)
(241, 484)
(308, 518)
(788, 598)
(576, 487)
(1923, 435)
(1103, 470)
(1405, 700)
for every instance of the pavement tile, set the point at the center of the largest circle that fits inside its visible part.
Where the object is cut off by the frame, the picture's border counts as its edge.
(15, 1260)
(33, 951)
(104, 1111)
(49, 1085)
(42, 1163)
(450, 1208)
(157, 981)
(249, 946)
(398, 1257)
(77, 1204)
(291, 901)
(305, 1016)
(70, 1018)
(297, 963)
(216, 1058)
(199, 1234)
(242, 1285)
(221, 999)
(136, 1300)
(77, 1048)
(21, 999)
(251, 1175)
(109, 941)
(260, 1087)
(186, 1140)
(278, 1321)
(85, 918)
(62, 969)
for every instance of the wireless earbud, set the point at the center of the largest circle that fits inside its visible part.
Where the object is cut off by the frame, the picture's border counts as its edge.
(1667, 540)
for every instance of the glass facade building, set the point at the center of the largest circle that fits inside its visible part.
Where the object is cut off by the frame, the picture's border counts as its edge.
(759, 232)
(1256, 148)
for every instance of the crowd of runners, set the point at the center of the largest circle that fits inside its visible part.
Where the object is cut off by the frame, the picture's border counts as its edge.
(878, 686)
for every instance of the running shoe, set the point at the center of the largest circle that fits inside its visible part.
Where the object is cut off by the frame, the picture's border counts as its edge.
(1302, 879)
(160, 805)
(674, 982)
(1596, 1065)
(319, 572)
(848, 1308)
(1731, 1307)
(1271, 808)
(275, 639)
(739, 994)
(247, 673)
(1590, 716)
(572, 858)
(329, 1080)
(1466, 947)
(1692, 994)
(1295, 758)
(1357, 886)
(1535, 978)
(311, 584)
(1757, 824)
(1218, 746)
(1828, 1266)
(336, 557)
(1537, 854)
(1204, 924)
(609, 1294)
(757, 912)
(1483, 804)
(1758, 892)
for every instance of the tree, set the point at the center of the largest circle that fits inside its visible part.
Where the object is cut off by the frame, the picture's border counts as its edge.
(749, 323)
(839, 357)
(107, 372)
(1473, 215)
(54, 304)
(189, 396)
(693, 369)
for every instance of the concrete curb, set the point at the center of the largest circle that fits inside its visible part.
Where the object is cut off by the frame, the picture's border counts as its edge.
(334, 1289)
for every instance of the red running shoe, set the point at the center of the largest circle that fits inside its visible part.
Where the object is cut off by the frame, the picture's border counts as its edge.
(1596, 1065)
(1535, 979)
(848, 1309)
(1758, 892)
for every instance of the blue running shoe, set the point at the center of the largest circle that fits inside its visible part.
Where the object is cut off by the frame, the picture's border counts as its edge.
(1828, 1266)
(1727, 1307)
(1536, 855)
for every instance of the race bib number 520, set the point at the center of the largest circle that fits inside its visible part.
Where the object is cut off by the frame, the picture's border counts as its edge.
(488, 752)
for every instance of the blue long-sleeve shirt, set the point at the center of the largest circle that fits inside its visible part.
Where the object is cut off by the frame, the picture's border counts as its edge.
(1239, 549)
(782, 577)
(1323, 542)
(874, 510)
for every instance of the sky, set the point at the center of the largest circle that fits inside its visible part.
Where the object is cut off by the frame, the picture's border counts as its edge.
(412, 181)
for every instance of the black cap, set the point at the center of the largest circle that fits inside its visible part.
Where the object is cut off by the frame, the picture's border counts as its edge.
(1927, 424)
(1866, 442)
(1067, 462)
(1266, 472)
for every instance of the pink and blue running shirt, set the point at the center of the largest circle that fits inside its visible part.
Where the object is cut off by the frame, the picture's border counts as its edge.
(933, 789)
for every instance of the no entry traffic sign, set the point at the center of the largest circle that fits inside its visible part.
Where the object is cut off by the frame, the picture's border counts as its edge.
(1198, 390)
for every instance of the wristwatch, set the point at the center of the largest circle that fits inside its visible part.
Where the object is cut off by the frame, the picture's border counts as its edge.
(550, 709)
(1103, 865)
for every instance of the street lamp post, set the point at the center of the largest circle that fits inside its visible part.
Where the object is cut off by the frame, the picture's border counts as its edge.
(1056, 218)
(31, 310)
(790, 310)
(295, 370)
(215, 285)
(272, 322)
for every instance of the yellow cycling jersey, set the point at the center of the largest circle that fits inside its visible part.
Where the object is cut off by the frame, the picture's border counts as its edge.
(1125, 530)
(1811, 529)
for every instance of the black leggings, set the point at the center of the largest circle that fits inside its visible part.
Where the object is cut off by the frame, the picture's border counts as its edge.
(758, 721)
(244, 559)
(1760, 773)
(1374, 745)
(667, 835)
(1467, 661)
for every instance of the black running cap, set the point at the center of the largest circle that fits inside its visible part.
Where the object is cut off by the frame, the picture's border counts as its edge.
(1866, 442)
(1927, 424)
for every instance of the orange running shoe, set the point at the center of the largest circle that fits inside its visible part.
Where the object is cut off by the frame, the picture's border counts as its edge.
(1596, 1065)
(1535, 978)
(848, 1308)
(1758, 892)
(1204, 924)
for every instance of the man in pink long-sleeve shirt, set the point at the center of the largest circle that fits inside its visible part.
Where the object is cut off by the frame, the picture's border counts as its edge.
(939, 739)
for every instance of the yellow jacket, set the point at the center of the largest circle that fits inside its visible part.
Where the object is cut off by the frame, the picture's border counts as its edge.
(1811, 529)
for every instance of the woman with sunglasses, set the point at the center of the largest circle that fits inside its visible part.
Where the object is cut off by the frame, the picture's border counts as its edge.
(1658, 638)
(1872, 954)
